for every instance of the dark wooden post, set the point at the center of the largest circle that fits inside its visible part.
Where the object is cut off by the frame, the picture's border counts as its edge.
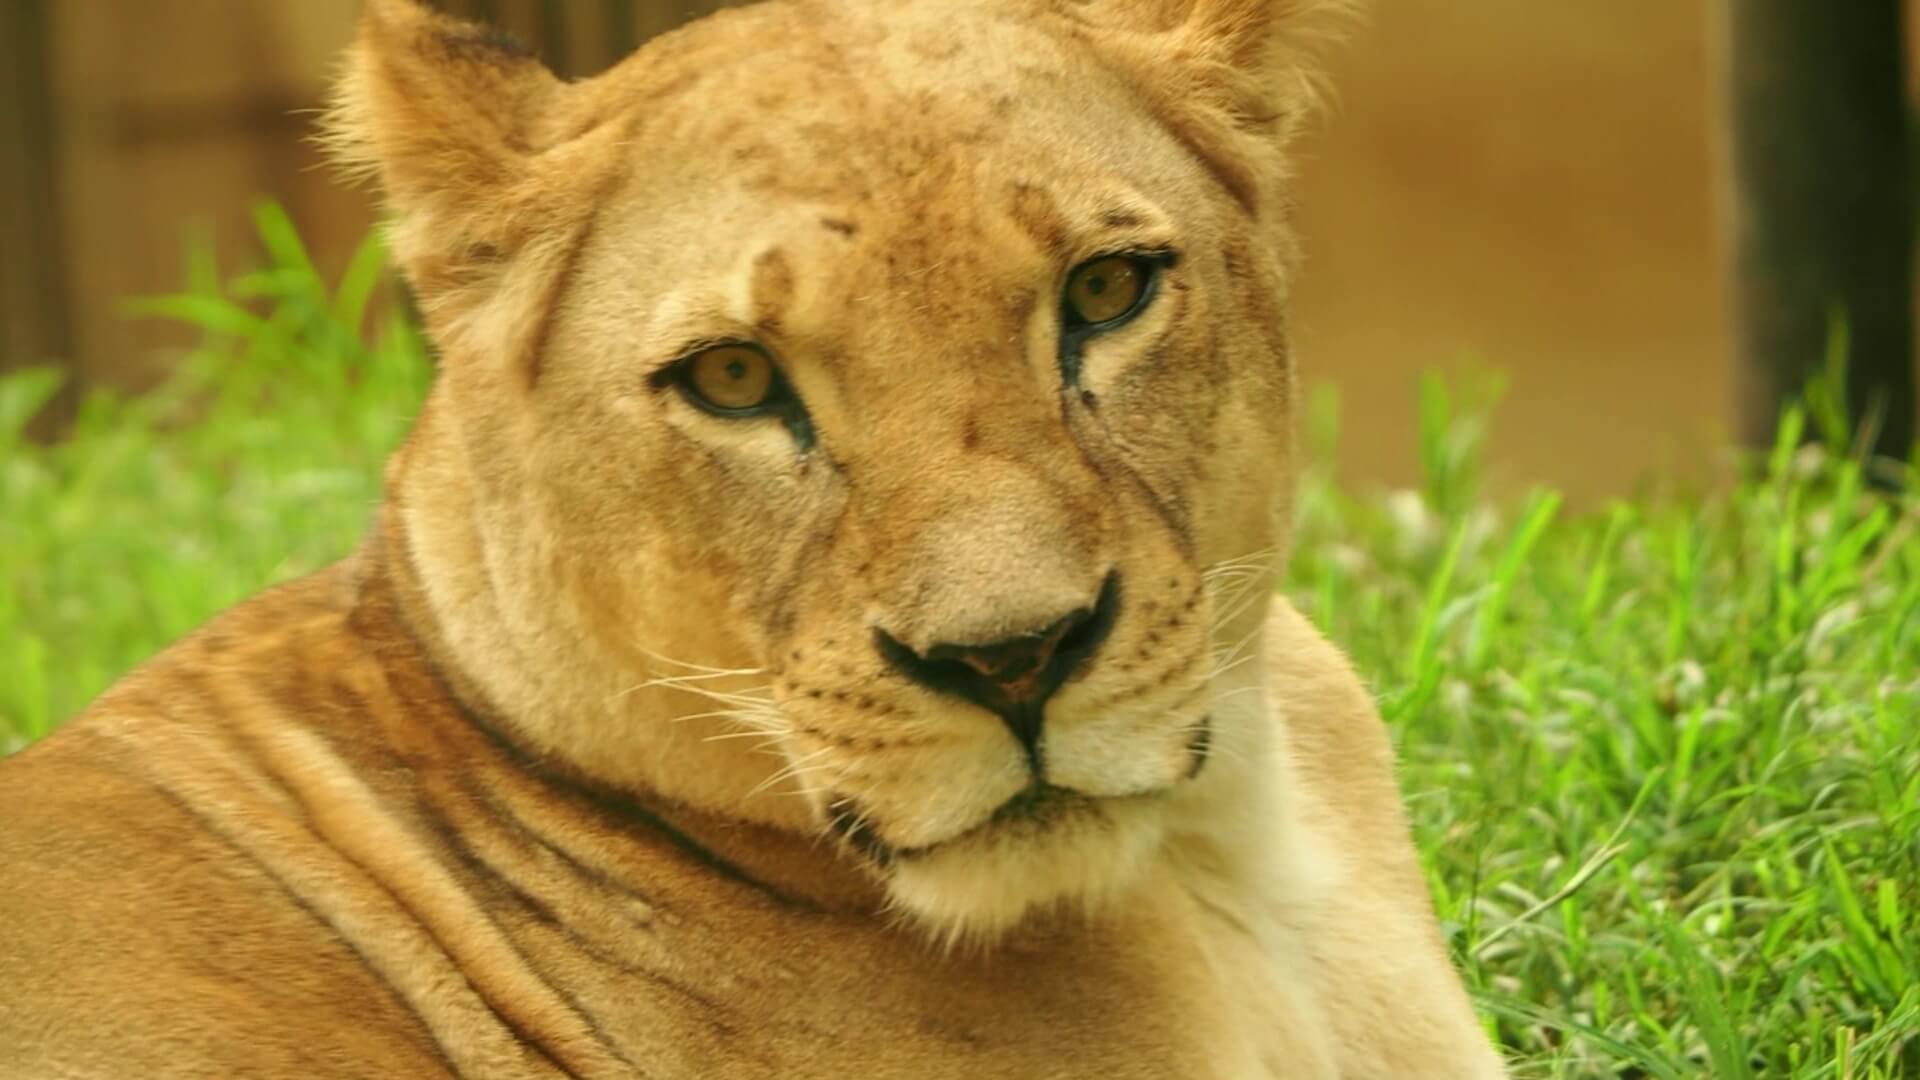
(34, 323)
(1820, 193)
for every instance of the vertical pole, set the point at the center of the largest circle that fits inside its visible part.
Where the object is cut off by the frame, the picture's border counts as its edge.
(622, 28)
(1820, 195)
(35, 327)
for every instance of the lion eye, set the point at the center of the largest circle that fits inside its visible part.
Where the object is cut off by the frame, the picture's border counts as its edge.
(731, 378)
(1106, 290)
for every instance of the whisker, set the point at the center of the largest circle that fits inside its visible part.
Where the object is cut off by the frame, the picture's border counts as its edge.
(1252, 560)
(1245, 596)
(1232, 654)
(793, 768)
(802, 790)
(1245, 587)
(680, 682)
(1222, 669)
(701, 676)
(757, 733)
(713, 672)
(1233, 571)
(750, 697)
(762, 711)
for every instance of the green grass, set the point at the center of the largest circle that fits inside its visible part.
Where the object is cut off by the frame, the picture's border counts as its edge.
(260, 461)
(1662, 756)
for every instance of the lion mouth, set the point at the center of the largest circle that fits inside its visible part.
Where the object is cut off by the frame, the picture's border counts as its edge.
(1038, 807)
(847, 822)
(1200, 745)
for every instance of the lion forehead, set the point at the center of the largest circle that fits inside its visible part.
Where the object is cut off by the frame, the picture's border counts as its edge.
(836, 101)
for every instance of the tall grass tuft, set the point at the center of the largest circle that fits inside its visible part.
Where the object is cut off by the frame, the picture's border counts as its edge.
(1662, 756)
(257, 461)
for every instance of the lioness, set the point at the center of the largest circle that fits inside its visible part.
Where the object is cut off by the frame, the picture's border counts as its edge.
(821, 624)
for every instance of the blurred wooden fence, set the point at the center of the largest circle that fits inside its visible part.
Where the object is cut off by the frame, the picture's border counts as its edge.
(1461, 211)
(129, 127)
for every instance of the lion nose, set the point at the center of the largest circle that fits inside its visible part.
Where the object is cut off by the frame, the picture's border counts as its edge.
(1013, 677)
(1013, 666)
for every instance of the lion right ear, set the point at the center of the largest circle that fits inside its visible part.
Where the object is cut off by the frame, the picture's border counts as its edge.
(447, 117)
(1237, 79)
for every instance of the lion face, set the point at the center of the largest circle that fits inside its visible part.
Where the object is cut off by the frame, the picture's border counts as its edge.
(897, 399)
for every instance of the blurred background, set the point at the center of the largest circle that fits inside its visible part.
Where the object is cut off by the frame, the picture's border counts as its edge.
(1509, 186)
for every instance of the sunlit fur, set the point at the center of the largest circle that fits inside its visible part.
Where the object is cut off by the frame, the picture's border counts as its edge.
(590, 762)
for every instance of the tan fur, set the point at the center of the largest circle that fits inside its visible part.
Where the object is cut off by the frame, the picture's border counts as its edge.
(545, 779)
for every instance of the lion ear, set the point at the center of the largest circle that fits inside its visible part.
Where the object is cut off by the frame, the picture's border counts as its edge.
(444, 115)
(1267, 52)
(1238, 78)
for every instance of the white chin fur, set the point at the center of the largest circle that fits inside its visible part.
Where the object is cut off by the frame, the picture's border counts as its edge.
(975, 889)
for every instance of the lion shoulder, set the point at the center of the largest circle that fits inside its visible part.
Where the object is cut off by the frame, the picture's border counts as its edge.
(1328, 712)
(140, 933)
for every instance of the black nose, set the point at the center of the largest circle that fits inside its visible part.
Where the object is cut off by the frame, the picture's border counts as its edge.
(1012, 678)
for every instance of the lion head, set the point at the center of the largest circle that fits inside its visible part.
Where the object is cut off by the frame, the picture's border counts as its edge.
(866, 419)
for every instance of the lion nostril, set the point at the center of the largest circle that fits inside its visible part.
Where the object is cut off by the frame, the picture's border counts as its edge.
(1016, 664)
(1014, 677)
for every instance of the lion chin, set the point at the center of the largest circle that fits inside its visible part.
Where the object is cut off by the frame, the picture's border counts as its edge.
(1048, 852)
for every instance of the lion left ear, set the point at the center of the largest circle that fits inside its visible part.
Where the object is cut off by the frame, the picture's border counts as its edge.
(487, 164)
(1237, 79)
(437, 109)
(453, 121)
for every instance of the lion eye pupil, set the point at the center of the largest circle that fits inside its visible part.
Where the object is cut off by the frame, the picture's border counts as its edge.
(1096, 285)
(736, 370)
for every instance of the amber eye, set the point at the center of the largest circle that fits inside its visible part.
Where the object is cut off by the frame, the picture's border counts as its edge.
(1106, 289)
(731, 378)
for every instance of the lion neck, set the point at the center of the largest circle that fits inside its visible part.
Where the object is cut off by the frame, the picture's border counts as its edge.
(521, 668)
